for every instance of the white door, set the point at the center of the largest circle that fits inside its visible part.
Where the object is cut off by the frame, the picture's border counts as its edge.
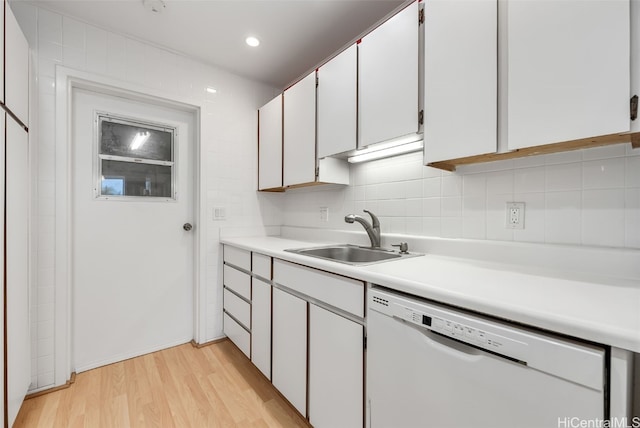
(132, 266)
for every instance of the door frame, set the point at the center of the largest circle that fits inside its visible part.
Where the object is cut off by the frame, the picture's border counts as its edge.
(68, 80)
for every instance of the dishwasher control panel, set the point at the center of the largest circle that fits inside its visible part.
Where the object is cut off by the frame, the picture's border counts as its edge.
(475, 331)
(457, 329)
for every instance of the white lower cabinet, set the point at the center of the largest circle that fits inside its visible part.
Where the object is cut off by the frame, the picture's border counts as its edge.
(336, 370)
(303, 329)
(261, 326)
(237, 298)
(237, 334)
(289, 348)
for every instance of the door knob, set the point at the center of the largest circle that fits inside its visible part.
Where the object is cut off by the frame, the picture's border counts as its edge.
(187, 226)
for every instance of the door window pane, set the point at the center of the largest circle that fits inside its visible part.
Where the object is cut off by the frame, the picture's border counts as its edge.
(135, 159)
(135, 141)
(135, 179)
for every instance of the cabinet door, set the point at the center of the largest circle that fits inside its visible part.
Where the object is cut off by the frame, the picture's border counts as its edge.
(568, 70)
(4, 6)
(289, 352)
(460, 68)
(388, 79)
(18, 339)
(17, 68)
(335, 370)
(270, 145)
(261, 326)
(300, 132)
(3, 118)
(337, 98)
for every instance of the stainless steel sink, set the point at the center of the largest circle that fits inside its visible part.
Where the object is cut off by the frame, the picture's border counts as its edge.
(352, 254)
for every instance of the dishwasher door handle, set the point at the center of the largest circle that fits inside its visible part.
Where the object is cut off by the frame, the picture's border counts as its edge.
(452, 347)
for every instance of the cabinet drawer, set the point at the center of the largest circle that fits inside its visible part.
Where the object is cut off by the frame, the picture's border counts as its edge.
(261, 265)
(343, 293)
(237, 307)
(237, 257)
(237, 281)
(237, 334)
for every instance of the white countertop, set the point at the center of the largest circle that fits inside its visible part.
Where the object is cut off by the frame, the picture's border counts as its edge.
(602, 310)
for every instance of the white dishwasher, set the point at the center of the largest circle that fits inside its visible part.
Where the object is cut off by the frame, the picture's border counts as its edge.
(430, 365)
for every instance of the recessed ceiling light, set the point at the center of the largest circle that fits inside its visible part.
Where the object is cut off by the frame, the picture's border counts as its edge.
(252, 41)
(211, 90)
(155, 6)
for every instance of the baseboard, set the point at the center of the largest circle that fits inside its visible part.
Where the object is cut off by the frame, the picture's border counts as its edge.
(211, 342)
(70, 382)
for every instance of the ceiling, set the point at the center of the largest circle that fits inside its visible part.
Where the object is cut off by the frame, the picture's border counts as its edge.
(295, 35)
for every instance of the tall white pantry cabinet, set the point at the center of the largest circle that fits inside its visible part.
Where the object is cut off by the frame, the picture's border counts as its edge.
(14, 185)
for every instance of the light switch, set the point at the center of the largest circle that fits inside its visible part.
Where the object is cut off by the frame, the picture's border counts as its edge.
(219, 213)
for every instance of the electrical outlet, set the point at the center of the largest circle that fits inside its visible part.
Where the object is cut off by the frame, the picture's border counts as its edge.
(219, 213)
(515, 215)
(324, 213)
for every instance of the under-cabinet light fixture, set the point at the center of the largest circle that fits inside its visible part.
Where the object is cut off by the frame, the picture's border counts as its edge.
(211, 90)
(387, 150)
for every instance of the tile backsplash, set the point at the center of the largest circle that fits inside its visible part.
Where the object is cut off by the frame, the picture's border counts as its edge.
(585, 197)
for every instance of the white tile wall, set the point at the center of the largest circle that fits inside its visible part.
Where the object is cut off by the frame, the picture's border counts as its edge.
(228, 137)
(585, 197)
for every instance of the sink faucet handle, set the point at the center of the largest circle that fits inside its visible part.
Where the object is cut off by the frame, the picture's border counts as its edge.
(374, 220)
(403, 246)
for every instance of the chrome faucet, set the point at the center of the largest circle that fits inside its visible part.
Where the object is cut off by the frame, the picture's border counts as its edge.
(373, 230)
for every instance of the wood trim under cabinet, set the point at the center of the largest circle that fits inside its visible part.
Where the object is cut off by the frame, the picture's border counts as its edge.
(584, 143)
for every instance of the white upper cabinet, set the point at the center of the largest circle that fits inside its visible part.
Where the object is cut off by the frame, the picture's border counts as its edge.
(337, 98)
(460, 83)
(300, 132)
(568, 70)
(16, 72)
(270, 145)
(388, 79)
(4, 6)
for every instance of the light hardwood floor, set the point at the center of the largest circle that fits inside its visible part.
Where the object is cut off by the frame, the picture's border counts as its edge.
(214, 386)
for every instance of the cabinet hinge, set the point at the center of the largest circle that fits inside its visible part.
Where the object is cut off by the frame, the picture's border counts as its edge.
(421, 117)
(317, 80)
(364, 342)
(317, 173)
(634, 107)
(421, 16)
